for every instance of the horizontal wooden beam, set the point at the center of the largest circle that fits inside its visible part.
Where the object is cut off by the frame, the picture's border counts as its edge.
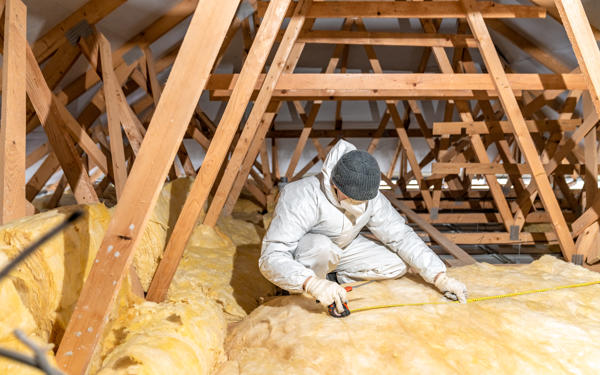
(482, 238)
(346, 133)
(402, 9)
(387, 38)
(485, 217)
(494, 168)
(393, 84)
(481, 127)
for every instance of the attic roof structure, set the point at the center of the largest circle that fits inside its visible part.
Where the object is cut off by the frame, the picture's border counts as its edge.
(482, 115)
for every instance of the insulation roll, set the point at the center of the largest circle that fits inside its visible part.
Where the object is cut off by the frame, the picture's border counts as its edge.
(553, 332)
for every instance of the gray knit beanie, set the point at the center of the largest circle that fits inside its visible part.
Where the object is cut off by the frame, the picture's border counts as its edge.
(357, 175)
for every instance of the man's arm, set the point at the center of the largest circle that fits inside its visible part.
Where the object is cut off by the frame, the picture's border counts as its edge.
(295, 214)
(391, 229)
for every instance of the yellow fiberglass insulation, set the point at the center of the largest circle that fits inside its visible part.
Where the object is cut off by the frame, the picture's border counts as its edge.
(161, 223)
(185, 333)
(173, 337)
(553, 332)
(213, 265)
(49, 281)
(15, 316)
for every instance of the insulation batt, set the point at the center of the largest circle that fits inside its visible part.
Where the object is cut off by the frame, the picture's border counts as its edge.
(14, 315)
(554, 332)
(222, 271)
(48, 283)
(173, 337)
(215, 280)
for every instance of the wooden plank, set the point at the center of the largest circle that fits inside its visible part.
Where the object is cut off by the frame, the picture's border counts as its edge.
(482, 127)
(12, 129)
(494, 168)
(264, 159)
(158, 28)
(433, 233)
(132, 127)
(304, 135)
(314, 111)
(564, 148)
(37, 182)
(346, 133)
(483, 217)
(477, 144)
(266, 121)
(385, 119)
(154, 84)
(92, 11)
(275, 159)
(182, 91)
(588, 243)
(35, 155)
(400, 125)
(386, 38)
(58, 193)
(53, 116)
(117, 150)
(59, 64)
(401, 9)
(490, 238)
(225, 131)
(375, 84)
(522, 135)
(584, 44)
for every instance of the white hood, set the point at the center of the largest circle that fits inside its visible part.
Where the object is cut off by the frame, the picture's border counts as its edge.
(334, 155)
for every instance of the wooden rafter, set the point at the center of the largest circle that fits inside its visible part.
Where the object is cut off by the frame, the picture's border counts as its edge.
(224, 135)
(209, 24)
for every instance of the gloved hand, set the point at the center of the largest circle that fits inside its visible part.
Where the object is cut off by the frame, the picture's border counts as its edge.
(451, 288)
(327, 292)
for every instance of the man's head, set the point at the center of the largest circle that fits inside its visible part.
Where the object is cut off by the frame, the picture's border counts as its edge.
(357, 175)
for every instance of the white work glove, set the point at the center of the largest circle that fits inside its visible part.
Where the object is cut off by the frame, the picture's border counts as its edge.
(451, 288)
(327, 292)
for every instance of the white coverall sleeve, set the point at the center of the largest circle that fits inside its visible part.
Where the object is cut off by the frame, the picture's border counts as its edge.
(295, 214)
(391, 229)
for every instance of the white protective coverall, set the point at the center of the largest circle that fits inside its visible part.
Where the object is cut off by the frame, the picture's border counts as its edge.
(311, 235)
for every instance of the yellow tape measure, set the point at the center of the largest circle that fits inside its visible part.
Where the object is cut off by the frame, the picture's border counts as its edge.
(478, 299)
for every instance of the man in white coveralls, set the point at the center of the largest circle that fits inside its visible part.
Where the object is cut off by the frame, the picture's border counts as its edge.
(313, 242)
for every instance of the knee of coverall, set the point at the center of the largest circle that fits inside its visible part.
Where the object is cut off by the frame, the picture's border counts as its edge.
(317, 252)
(365, 259)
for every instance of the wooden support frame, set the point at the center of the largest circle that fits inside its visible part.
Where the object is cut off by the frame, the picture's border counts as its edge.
(403, 9)
(12, 129)
(191, 70)
(433, 233)
(55, 117)
(523, 138)
(225, 132)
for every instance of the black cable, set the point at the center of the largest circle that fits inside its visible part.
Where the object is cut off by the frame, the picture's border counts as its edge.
(33, 247)
(39, 358)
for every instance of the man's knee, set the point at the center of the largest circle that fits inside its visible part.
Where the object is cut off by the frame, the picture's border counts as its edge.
(317, 252)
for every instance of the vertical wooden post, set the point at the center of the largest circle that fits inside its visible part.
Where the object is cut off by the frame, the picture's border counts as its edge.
(12, 131)
(115, 255)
